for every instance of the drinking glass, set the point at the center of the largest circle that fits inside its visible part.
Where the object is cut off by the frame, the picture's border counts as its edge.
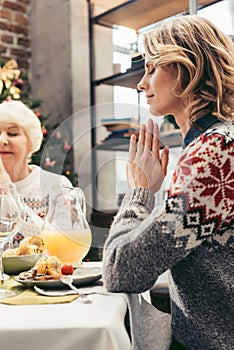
(65, 232)
(18, 198)
(10, 222)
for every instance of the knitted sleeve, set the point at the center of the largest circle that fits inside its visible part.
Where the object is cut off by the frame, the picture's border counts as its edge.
(199, 209)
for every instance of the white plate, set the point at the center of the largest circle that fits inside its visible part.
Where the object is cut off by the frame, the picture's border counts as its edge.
(81, 276)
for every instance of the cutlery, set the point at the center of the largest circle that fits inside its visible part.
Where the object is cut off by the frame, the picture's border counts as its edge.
(68, 280)
(59, 293)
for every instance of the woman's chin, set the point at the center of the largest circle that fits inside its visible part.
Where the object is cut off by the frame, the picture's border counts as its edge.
(5, 154)
(155, 112)
(7, 161)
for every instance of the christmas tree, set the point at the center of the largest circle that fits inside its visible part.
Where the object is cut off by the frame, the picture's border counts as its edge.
(14, 85)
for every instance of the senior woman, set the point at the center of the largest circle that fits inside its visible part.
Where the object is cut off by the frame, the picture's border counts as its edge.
(20, 137)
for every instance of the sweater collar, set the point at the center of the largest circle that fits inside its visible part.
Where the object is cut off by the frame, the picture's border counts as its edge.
(201, 125)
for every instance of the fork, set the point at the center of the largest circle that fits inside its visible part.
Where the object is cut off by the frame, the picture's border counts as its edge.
(68, 280)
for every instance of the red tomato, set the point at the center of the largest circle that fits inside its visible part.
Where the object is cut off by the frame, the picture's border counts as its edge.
(67, 269)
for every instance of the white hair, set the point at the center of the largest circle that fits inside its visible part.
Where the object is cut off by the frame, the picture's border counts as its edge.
(17, 113)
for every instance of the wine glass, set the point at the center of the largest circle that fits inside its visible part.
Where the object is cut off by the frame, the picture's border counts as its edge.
(10, 221)
(65, 232)
(18, 198)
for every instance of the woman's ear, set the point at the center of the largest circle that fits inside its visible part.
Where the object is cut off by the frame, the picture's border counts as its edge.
(30, 151)
(172, 68)
(175, 73)
(29, 144)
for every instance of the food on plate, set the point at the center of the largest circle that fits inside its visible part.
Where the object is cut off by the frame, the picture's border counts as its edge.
(47, 268)
(28, 246)
(40, 267)
(67, 269)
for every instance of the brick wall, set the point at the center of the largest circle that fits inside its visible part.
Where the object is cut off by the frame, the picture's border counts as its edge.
(15, 41)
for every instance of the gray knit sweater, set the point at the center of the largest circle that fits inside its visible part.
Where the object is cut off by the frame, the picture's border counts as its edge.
(193, 237)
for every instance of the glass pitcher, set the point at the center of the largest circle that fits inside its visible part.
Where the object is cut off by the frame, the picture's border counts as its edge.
(65, 232)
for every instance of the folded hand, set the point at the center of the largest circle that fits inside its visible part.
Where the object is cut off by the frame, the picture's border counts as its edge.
(4, 177)
(146, 167)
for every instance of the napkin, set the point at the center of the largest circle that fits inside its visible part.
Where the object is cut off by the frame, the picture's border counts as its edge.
(27, 296)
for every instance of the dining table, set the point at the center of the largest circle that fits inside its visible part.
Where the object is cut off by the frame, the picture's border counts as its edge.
(75, 325)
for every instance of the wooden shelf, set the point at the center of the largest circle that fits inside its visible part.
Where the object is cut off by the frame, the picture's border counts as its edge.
(137, 14)
(128, 79)
(172, 139)
(120, 144)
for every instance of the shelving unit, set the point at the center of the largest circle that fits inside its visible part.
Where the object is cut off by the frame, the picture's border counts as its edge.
(121, 144)
(135, 14)
(128, 79)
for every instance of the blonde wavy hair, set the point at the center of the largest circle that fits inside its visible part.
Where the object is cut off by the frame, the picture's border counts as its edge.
(204, 59)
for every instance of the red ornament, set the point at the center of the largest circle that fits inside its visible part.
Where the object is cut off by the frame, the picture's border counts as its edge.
(18, 83)
(44, 131)
(38, 114)
(66, 146)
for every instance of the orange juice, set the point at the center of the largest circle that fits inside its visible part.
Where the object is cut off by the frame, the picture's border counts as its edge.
(68, 246)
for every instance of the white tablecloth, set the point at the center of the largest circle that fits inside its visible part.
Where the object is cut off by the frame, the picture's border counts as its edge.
(70, 326)
(73, 326)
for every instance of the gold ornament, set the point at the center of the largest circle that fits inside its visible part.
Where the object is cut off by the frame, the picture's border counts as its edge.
(7, 73)
(15, 92)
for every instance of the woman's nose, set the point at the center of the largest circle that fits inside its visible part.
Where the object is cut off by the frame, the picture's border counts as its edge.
(142, 84)
(3, 139)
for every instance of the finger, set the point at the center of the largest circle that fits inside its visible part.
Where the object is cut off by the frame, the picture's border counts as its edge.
(132, 148)
(149, 135)
(165, 159)
(156, 141)
(141, 139)
(127, 176)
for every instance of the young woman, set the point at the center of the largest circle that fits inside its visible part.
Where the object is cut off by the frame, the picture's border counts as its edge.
(189, 73)
(20, 137)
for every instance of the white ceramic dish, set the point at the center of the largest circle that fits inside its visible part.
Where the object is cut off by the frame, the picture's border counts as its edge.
(81, 276)
(13, 265)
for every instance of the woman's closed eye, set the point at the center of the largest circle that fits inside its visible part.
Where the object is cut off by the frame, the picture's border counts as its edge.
(13, 131)
(12, 134)
(150, 68)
